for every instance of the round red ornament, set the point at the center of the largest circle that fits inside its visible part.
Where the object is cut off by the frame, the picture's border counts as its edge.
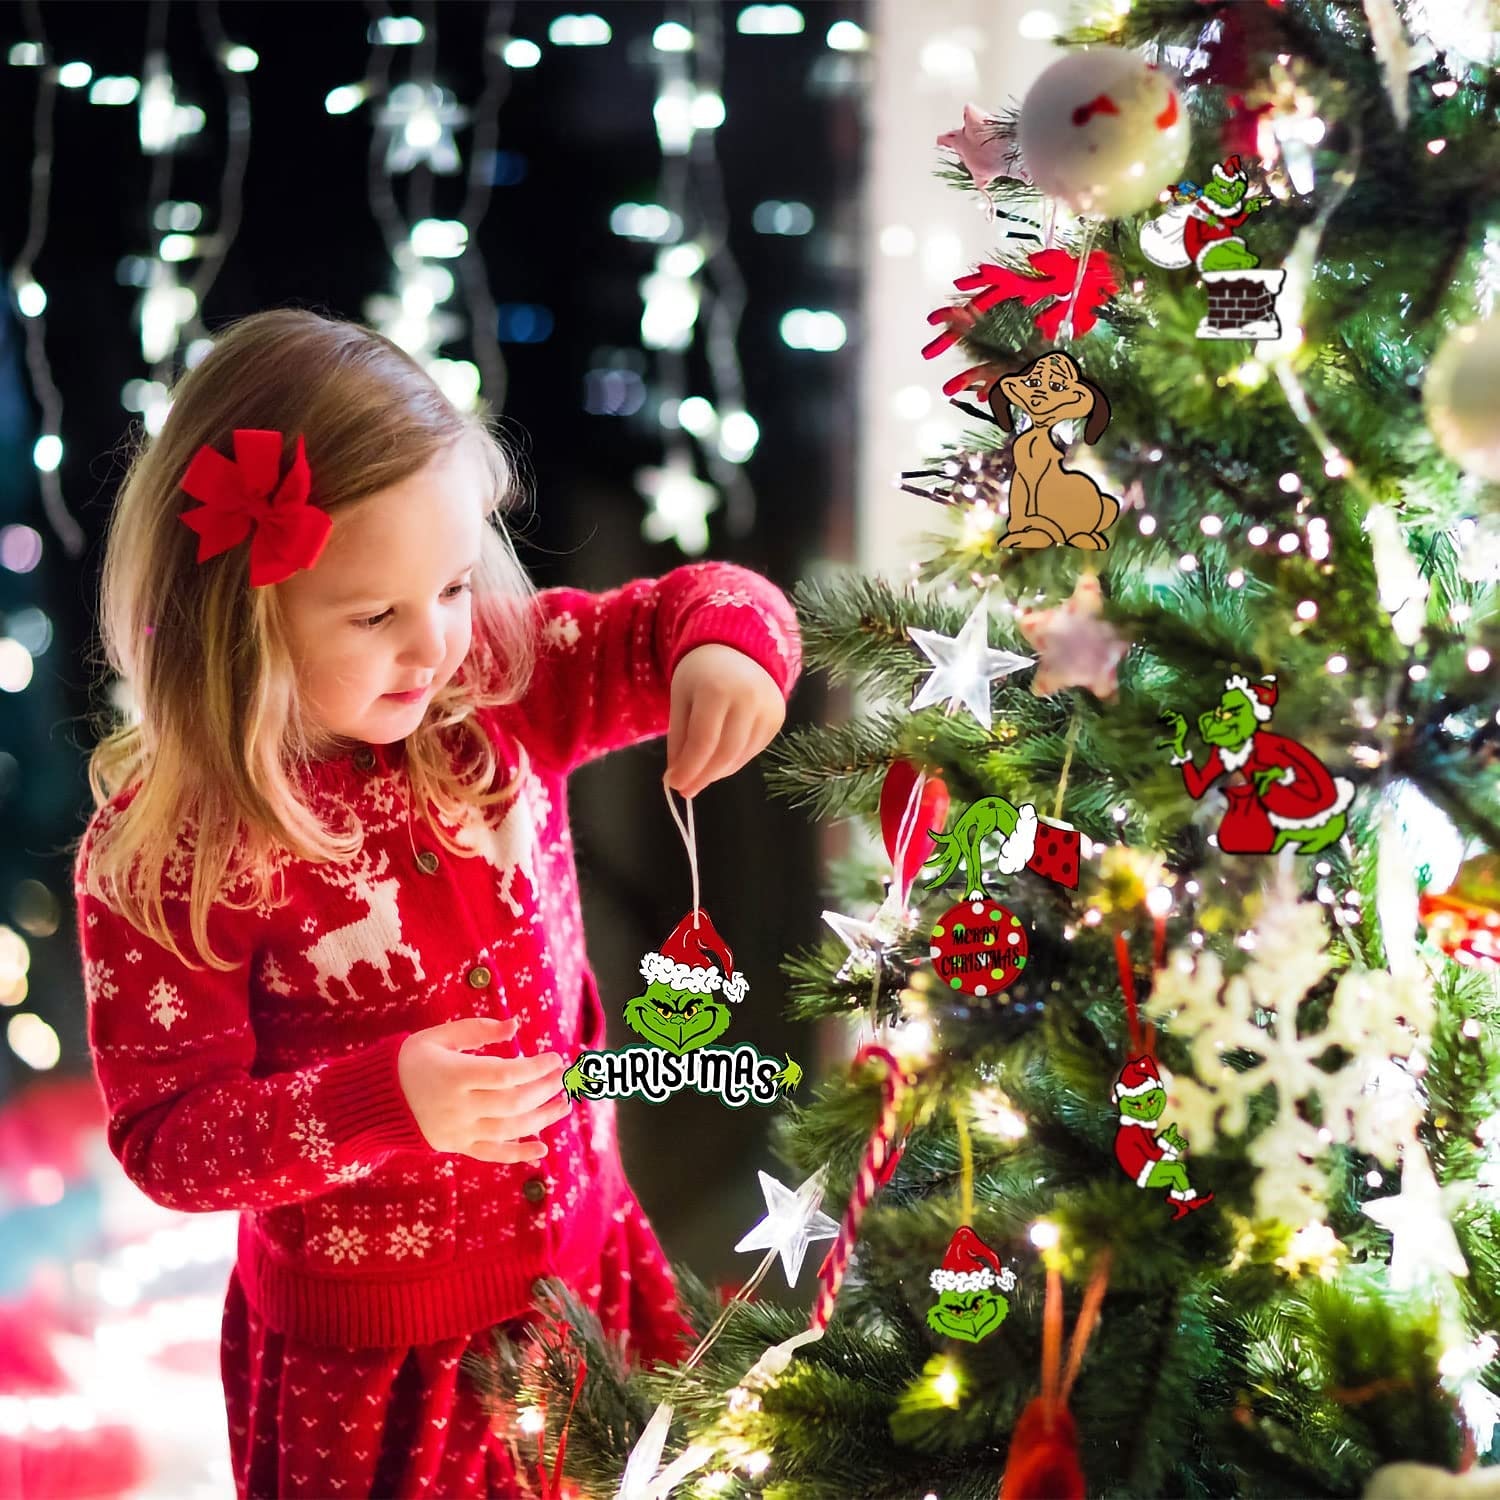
(978, 947)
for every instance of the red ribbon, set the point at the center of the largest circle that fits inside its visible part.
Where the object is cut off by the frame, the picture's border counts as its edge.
(1057, 273)
(243, 496)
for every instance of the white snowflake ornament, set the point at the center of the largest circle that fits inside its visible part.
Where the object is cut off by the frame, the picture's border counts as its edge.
(1371, 1102)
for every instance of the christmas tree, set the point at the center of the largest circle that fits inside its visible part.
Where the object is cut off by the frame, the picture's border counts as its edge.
(1174, 1170)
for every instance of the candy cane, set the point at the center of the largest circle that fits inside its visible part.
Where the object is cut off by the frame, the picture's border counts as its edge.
(882, 1153)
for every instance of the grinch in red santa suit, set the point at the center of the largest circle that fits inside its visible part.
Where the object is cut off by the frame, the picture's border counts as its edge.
(1286, 795)
(1149, 1154)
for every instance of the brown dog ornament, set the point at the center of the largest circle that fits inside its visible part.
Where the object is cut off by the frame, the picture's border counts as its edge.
(1050, 504)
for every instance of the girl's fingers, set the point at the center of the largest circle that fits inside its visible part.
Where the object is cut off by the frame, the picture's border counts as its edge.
(705, 723)
(511, 1152)
(531, 1122)
(505, 1072)
(519, 1097)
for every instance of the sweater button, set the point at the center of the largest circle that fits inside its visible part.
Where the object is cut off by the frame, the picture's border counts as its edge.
(479, 976)
(427, 862)
(364, 758)
(535, 1189)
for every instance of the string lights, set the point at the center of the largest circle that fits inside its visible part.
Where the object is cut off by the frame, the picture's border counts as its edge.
(413, 135)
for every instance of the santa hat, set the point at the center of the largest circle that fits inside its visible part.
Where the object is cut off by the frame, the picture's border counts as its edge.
(1231, 171)
(696, 960)
(970, 1266)
(1262, 694)
(1138, 1076)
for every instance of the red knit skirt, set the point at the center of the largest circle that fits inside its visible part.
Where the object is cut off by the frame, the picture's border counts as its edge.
(310, 1422)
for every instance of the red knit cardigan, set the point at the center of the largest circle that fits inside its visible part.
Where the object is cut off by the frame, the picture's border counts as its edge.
(272, 1088)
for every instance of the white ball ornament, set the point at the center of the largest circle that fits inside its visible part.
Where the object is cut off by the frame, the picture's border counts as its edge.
(1462, 397)
(1103, 132)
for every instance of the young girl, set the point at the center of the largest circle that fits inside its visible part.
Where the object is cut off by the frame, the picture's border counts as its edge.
(327, 903)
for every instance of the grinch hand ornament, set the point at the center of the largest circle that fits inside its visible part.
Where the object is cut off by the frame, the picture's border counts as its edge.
(1148, 1156)
(1286, 795)
(969, 1306)
(978, 945)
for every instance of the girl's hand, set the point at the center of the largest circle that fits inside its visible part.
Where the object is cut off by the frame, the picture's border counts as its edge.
(726, 708)
(490, 1108)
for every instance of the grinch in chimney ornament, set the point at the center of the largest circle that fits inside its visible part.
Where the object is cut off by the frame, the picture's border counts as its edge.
(1201, 229)
(1148, 1154)
(968, 1284)
(1279, 792)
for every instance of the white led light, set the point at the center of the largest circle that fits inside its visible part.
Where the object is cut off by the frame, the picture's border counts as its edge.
(242, 59)
(769, 20)
(178, 247)
(697, 415)
(846, 36)
(1338, 664)
(1187, 562)
(1416, 671)
(114, 90)
(1289, 484)
(348, 96)
(707, 111)
(519, 53)
(441, 239)
(1477, 659)
(396, 31)
(46, 452)
(1236, 579)
(31, 299)
(1211, 525)
(1257, 536)
(1289, 541)
(898, 239)
(1044, 1235)
(26, 55)
(739, 432)
(1307, 610)
(803, 328)
(579, 31)
(1147, 525)
(1039, 26)
(74, 75)
(672, 36)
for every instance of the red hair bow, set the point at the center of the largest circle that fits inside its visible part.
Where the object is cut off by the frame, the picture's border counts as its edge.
(237, 498)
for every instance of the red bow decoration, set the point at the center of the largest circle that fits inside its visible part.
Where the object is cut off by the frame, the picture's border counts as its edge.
(1058, 273)
(237, 499)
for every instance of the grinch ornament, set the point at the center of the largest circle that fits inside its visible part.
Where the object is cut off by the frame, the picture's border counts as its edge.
(979, 946)
(1286, 796)
(686, 1005)
(969, 1284)
(1148, 1154)
(1201, 228)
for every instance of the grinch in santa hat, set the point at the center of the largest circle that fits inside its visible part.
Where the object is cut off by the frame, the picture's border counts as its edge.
(1201, 232)
(969, 1307)
(1148, 1156)
(687, 983)
(1286, 796)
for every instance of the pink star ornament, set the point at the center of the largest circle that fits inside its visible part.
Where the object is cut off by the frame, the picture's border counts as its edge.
(1077, 647)
(980, 146)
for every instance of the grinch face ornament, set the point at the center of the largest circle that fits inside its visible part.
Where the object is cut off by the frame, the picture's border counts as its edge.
(691, 985)
(1279, 792)
(978, 945)
(969, 1306)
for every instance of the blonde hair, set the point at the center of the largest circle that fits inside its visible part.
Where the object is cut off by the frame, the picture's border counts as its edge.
(221, 733)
